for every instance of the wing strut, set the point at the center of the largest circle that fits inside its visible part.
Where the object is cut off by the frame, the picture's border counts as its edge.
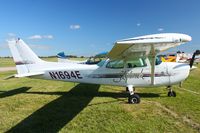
(152, 58)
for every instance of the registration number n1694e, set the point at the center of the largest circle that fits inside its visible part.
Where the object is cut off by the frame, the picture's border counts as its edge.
(65, 75)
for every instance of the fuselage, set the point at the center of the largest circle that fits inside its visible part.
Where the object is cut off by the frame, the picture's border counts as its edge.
(166, 73)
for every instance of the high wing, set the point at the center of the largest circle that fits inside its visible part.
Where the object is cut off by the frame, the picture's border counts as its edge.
(146, 46)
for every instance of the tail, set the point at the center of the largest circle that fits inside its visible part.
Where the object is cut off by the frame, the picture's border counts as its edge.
(22, 55)
(62, 57)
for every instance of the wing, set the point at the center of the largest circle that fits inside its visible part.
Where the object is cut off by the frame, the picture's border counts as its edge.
(146, 46)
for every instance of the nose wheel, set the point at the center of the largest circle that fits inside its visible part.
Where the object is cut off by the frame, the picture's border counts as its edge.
(171, 93)
(133, 98)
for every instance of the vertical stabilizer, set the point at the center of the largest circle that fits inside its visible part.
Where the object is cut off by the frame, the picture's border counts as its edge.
(22, 55)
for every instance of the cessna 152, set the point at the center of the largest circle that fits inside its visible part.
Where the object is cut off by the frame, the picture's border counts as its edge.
(131, 63)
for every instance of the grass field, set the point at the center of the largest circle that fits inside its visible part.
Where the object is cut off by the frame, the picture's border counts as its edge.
(8, 62)
(32, 105)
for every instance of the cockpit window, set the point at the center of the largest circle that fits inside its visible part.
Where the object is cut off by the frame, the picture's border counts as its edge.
(139, 62)
(117, 64)
(101, 63)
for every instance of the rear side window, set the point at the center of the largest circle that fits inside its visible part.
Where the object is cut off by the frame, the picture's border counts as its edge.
(117, 64)
(140, 62)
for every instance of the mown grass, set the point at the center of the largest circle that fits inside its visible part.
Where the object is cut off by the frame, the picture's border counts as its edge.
(6, 62)
(32, 105)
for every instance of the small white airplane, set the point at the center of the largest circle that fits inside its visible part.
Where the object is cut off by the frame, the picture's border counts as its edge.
(180, 57)
(63, 58)
(131, 63)
(90, 61)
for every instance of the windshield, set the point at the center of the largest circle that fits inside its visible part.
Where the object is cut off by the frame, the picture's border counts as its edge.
(101, 63)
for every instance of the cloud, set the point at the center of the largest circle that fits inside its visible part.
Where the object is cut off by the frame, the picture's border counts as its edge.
(37, 37)
(11, 34)
(48, 36)
(40, 46)
(75, 27)
(138, 24)
(160, 29)
(3, 46)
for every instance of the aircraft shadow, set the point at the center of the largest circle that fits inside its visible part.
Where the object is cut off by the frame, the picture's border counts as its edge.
(53, 116)
(56, 114)
(4, 94)
(149, 95)
(80, 93)
(99, 94)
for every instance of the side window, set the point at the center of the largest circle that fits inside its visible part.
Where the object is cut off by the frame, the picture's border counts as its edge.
(115, 64)
(140, 62)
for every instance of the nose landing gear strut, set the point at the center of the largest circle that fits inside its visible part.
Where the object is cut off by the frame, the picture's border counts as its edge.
(171, 93)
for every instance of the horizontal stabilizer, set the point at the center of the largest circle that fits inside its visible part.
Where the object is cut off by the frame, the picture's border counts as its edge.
(29, 74)
(9, 77)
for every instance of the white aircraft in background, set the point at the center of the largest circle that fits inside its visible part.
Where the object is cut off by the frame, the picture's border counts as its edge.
(63, 58)
(90, 61)
(131, 63)
(180, 57)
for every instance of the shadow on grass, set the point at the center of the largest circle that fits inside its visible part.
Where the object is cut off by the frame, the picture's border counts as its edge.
(149, 95)
(55, 115)
(83, 92)
(20, 90)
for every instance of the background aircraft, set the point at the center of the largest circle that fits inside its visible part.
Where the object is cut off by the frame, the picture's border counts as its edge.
(131, 63)
(91, 60)
(181, 57)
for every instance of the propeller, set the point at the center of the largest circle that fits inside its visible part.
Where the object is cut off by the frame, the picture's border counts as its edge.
(197, 52)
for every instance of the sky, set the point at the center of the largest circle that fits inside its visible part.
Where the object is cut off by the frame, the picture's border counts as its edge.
(88, 27)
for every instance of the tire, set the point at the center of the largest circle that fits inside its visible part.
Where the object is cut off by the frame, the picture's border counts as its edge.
(171, 94)
(134, 99)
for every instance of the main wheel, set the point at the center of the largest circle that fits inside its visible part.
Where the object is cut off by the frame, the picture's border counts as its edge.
(134, 99)
(171, 94)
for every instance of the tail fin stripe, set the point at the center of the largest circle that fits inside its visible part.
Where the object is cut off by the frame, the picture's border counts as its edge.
(22, 63)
